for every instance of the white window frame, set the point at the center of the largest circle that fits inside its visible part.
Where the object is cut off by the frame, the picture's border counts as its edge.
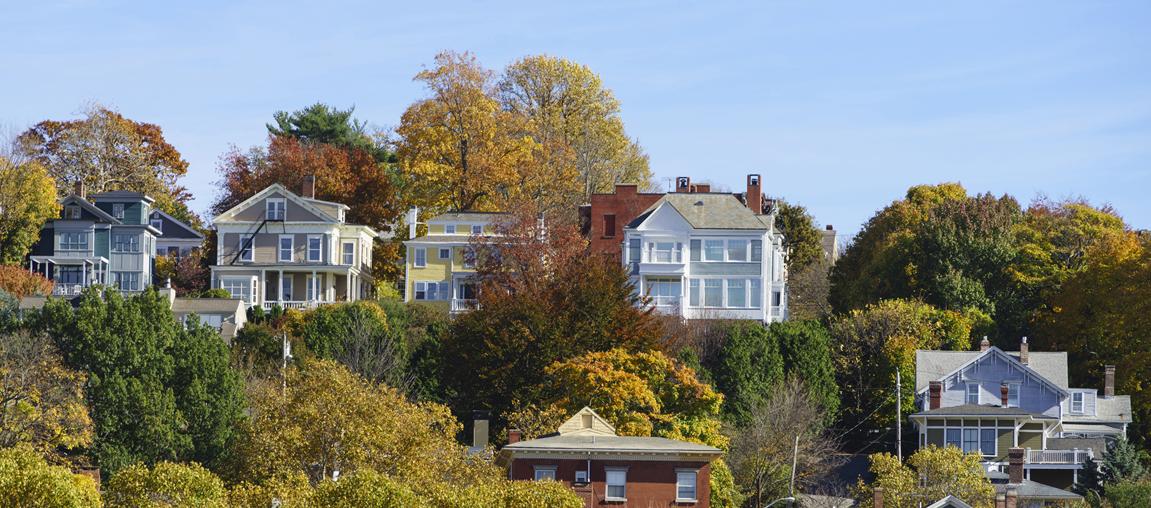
(291, 248)
(743, 251)
(118, 210)
(319, 248)
(118, 280)
(608, 471)
(667, 291)
(680, 476)
(420, 257)
(449, 229)
(246, 254)
(967, 393)
(722, 250)
(581, 477)
(246, 295)
(276, 209)
(1082, 403)
(477, 229)
(126, 243)
(348, 256)
(445, 253)
(1013, 394)
(74, 241)
(158, 224)
(540, 473)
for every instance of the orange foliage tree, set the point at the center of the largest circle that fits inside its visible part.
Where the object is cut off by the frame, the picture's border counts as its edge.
(19, 282)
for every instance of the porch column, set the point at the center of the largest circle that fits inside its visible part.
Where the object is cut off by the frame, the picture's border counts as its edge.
(348, 286)
(263, 285)
(280, 292)
(315, 286)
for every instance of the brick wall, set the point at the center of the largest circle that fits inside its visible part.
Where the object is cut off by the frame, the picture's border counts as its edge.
(649, 483)
(616, 209)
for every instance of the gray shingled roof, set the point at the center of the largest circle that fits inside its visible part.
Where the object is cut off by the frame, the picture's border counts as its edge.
(980, 410)
(118, 195)
(710, 211)
(467, 216)
(933, 365)
(624, 444)
(1107, 409)
(205, 305)
(1028, 489)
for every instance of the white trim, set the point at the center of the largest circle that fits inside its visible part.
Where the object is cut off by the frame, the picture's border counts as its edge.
(608, 470)
(291, 248)
(694, 485)
(308, 249)
(536, 470)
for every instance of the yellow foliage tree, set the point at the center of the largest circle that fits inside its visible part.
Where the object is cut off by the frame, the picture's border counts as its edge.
(42, 402)
(929, 475)
(26, 479)
(27, 200)
(167, 485)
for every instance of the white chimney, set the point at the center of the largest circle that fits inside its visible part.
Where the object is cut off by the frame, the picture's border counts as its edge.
(413, 218)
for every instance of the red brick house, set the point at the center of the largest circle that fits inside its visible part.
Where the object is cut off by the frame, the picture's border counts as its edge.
(606, 215)
(610, 470)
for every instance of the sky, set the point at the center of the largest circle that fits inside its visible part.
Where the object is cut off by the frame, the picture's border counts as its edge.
(840, 105)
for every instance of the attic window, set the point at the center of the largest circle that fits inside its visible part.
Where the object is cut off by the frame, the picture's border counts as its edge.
(586, 421)
(72, 212)
(118, 210)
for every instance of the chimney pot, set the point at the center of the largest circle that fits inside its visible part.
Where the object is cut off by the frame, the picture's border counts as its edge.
(1004, 391)
(754, 196)
(1011, 497)
(1014, 468)
(829, 227)
(984, 344)
(309, 188)
(514, 436)
(683, 184)
(935, 394)
(877, 502)
(1023, 351)
(1108, 381)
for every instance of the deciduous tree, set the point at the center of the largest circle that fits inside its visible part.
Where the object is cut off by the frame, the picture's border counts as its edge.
(107, 152)
(930, 474)
(27, 200)
(19, 282)
(164, 485)
(25, 476)
(41, 402)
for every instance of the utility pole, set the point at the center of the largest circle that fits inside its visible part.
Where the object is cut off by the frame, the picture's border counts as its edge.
(285, 356)
(794, 456)
(898, 416)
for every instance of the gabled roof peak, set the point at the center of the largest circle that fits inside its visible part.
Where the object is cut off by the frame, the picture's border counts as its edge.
(586, 422)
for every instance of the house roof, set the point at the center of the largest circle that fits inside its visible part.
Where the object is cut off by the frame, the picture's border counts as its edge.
(931, 365)
(1094, 428)
(1107, 409)
(303, 202)
(709, 211)
(87, 205)
(980, 410)
(1028, 489)
(186, 230)
(616, 444)
(467, 216)
(120, 195)
(949, 502)
(207, 305)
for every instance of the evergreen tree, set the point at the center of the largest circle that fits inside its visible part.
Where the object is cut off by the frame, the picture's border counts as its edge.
(1090, 484)
(748, 368)
(805, 347)
(1124, 461)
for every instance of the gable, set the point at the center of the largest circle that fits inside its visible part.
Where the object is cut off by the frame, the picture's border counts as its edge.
(664, 218)
(88, 210)
(253, 209)
(586, 423)
(928, 368)
(174, 228)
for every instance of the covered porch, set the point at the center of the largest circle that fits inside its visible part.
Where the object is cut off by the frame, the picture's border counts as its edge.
(70, 275)
(307, 288)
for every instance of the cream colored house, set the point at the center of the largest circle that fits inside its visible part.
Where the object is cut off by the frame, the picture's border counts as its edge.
(294, 251)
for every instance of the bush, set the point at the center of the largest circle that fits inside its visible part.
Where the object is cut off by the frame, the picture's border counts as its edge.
(168, 484)
(1129, 494)
(25, 476)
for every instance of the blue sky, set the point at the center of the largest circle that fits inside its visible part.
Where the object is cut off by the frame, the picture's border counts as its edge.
(840, 105)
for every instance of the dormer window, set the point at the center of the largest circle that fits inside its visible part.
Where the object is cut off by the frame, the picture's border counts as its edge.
(276, 209)
(72, 212)
(118, 210)
(1077, 402)
(158, 224)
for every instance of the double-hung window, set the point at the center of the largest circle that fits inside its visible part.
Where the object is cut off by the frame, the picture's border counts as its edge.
(1076, 402)
(477, 229)
(545, 473)
(970, 440)
(973, 393)
(693, 292)
(74, 241)
(118, 210)
(1013, 394)
(757, 250)
(445, 253)
(449, 229)
(432, 290)
(713, 250)
(713, 292)
(685, 486)
(954, 437)
(315, 248)
(616, 484)
(420, 257)
(987, 442)
(276, 209)
(737, 250)
(286, 248)
(245, 247)
(634, 245)
(126, 243)
(349, 252)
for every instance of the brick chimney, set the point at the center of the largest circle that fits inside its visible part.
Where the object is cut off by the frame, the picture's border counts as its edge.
(877, 502)
(1108, 381)
(701, 187)
(1012, 497)
(514, 436)
(626, 189)
(935, 393)
(479, 429)
(683, 184)
(984, 344)
(1023, 350)
(755, 193)
(309, 188)
(1014, 468)
(78, 189)
(1000, 500)
(1004, 391)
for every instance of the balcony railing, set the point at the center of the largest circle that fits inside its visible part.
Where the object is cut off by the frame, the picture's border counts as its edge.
(293, 304)
(665, 301)
(1074, 456)
(67, 289)
(464, 304)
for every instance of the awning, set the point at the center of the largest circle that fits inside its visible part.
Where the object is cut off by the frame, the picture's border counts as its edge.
(1089, 428)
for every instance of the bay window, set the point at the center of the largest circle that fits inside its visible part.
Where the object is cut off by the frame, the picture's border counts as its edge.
(713, 293)
(664, 291)
(713, 250)
(736, 294)
(664, 252)
(238, 288)
(756, 293)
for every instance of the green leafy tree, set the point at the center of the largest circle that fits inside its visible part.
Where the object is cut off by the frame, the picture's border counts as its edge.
(27, 200)
(25, 478)
(875, 342)
(930, 473)
(748, 368)
(356, 334)
(807, 357)
(1123, 461)
(802, 241)
(167, 484)
(320, 123)
(1129, 494)
(157, 391)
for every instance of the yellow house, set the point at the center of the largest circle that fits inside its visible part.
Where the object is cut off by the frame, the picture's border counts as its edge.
(438, 270)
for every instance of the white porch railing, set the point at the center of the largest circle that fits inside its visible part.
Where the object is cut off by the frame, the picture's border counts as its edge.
(67, 289)
(464, 304)
(293, 304)
(1074, 456)
(665, 301)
